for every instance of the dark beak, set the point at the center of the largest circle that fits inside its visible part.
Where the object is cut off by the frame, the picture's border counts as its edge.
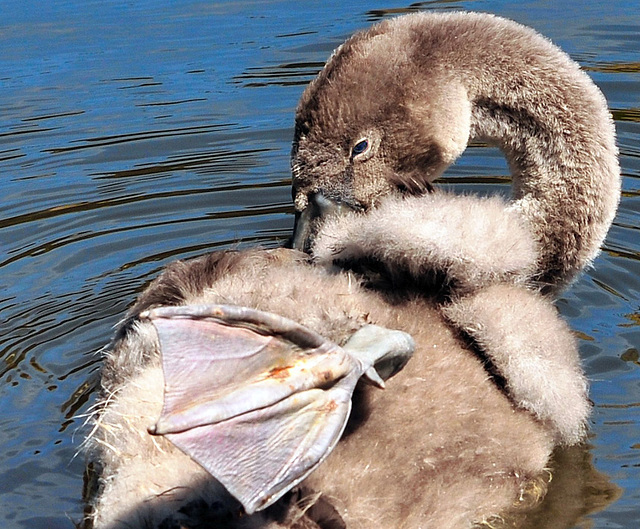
(308, 221)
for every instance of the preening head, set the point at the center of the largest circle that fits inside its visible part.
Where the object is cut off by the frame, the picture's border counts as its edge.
(374, 122)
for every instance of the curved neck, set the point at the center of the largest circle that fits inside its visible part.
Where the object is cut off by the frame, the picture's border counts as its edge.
(564, 165)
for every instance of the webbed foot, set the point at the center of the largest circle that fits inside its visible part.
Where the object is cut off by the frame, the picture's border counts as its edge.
(257, 399)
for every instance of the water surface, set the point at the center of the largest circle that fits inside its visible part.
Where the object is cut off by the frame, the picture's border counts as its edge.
(135, 133)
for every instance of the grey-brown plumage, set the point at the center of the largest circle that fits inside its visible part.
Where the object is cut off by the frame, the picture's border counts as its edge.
(463, 434)
(418, 88)
(442, 428)
(478, 256)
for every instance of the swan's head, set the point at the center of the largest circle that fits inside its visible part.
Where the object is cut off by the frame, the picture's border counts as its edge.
(377, 120)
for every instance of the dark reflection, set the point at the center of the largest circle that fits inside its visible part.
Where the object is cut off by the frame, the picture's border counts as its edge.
(297, 34)
(54, 116)
(626, 406)
(214, 162)
(378, 14)
(625, 254)
(634, 320)
(116, 202)
(467, 180)
(576, 489)
(72, 406)
(10, 154)
(626, 114)
(631, 355)
(614, 67)
(17, 131)
(103, 141)
(171, 103)
(291, 74)
(608, 288)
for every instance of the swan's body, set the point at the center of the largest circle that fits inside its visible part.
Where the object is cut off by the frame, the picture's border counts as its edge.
(423, 433)
(446, 444)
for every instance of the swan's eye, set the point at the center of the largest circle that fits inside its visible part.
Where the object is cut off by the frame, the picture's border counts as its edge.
(360, 148)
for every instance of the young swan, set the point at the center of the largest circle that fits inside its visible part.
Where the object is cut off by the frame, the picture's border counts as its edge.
(442, 446)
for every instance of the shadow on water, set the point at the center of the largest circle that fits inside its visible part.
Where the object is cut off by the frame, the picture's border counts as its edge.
(295, 74)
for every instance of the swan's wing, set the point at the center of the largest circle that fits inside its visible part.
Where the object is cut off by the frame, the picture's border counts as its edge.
(256, 399)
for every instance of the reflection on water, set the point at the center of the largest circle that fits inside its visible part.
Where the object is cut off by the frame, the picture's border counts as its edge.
(135, 134)
(576, 489)
(282, 74)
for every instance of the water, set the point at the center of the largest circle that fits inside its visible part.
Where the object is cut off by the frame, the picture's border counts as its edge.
(135, 133)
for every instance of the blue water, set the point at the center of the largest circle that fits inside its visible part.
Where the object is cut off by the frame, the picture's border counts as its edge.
(135, 133)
